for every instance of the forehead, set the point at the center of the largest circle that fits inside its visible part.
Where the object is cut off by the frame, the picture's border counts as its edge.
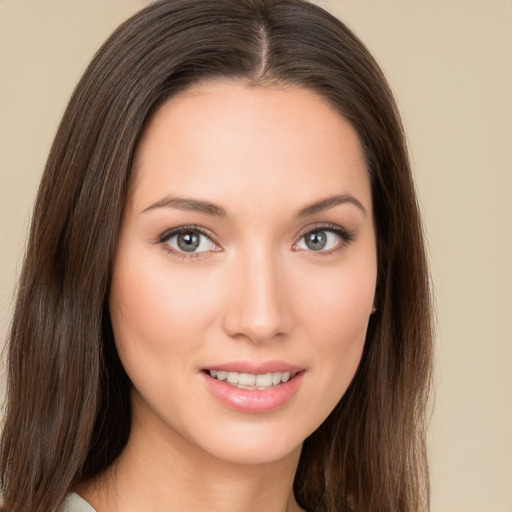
(223, 140)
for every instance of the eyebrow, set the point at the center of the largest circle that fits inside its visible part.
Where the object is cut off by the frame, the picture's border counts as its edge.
(188, 205)
(330, 202)
(208, 208)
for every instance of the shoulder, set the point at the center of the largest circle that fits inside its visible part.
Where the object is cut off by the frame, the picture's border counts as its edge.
(74, 503)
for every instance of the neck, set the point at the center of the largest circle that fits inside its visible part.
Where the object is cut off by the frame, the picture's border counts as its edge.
(163, 471)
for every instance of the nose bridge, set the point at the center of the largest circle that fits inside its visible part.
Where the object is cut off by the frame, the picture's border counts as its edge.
(256, 308)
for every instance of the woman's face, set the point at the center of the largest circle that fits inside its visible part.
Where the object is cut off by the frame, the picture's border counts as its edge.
(245, 272)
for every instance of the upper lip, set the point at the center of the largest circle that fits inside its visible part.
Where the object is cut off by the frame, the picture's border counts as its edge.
(256, 367)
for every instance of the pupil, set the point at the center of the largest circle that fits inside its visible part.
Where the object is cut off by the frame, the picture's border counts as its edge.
(188, 242)
(316, 241)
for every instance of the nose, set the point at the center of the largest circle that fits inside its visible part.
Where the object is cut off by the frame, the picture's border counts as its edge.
(257, 306)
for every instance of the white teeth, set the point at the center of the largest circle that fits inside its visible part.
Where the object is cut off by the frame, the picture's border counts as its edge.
(247, 379)
(264, 380)
(251, 381)
(276, 378)
(232, 377)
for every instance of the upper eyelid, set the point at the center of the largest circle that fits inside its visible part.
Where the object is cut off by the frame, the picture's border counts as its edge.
(346, 235)
(180, 229)
(322, 226)
(192, 227)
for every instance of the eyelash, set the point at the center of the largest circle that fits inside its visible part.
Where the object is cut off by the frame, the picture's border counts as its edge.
(345, 235)
(165, 237)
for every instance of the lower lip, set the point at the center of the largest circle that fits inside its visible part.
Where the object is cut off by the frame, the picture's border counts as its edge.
(253, 400)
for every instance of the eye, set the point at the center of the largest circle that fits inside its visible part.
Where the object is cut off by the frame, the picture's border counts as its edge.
(325, 239)
(188, 240)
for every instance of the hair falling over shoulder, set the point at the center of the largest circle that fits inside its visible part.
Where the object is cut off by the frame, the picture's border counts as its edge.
(67, 416)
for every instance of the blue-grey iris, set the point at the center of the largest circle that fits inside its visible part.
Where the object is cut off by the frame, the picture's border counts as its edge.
(316, 240)
(188, 242)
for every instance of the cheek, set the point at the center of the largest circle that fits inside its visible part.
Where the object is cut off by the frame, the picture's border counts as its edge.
(336, 314)
(341, 331)
(156, 314)
(340, 302)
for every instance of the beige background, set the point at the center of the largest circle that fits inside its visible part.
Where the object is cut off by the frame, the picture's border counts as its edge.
(450, 65)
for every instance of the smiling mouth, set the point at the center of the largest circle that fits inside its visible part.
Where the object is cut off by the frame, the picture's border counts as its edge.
(252, 381)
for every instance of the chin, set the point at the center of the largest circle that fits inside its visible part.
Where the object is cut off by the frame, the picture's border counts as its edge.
(259, 449)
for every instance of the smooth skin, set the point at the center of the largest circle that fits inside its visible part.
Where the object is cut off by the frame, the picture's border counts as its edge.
(261, 284)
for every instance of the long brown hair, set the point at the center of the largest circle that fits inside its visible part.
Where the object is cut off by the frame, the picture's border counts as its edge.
(68, 409)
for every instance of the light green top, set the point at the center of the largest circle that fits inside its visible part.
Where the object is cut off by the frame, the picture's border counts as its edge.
(74, 503)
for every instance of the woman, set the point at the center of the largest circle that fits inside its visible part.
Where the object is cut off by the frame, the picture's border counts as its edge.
(224, 302)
